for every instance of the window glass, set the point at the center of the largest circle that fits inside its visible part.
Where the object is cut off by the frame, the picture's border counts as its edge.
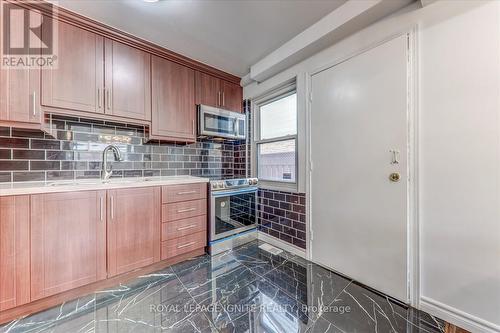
(279, 118)
(277, 161)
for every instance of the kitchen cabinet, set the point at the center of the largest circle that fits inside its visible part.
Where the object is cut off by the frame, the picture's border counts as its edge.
(218, 93)
(127, 81)
(78, 81)
(133, 228)
(97, 76)
(207, 90)
(232, 96)
(14, 251)
(184, 219)
(173, 107)
(105, 74)
(20, 87)
(68, 241)
(51, 244)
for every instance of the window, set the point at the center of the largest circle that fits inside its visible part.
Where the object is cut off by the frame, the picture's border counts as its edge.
(276, 138)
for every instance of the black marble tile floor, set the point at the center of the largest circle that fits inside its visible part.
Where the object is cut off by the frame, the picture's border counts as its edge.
(244, 290)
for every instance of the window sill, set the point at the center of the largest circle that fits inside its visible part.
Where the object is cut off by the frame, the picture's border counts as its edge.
(276, 186)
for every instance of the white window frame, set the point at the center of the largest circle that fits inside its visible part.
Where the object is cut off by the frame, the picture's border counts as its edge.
(284, 90)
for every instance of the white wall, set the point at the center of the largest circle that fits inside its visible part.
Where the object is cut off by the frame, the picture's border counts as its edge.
(459, 150)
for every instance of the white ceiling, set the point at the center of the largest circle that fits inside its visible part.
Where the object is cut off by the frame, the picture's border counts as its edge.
(229, 35)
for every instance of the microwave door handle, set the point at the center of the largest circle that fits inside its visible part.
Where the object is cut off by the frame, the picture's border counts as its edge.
(235, 127)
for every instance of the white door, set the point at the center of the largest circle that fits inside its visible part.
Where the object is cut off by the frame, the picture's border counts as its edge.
(358, 215)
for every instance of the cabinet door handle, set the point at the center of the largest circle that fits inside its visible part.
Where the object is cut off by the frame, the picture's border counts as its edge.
(99, 98)
(108, 99)
(223, 99)
(185, 210)
(111, 202)
(218, 98)
(192, 126)
(186, 192)
(34, 102)
(186, 227)
(101, 206)
(185, 245)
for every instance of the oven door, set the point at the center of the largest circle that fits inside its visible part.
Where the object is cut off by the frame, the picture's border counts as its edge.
(232, 212)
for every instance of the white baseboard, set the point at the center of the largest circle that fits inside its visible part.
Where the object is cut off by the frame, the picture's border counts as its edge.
(281, 244)
(457, 317)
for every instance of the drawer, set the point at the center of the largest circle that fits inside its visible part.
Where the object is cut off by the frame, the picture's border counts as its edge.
(185, 192)
(183, 210)
(177, 246)
(183, 227)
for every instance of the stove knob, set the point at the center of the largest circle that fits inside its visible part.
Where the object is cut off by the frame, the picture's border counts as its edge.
(214, 185)
(221, 184)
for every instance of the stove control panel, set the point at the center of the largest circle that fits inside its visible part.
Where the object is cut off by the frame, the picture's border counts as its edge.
(216, 185)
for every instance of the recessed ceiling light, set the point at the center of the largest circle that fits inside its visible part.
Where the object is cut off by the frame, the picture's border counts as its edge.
(150, 0)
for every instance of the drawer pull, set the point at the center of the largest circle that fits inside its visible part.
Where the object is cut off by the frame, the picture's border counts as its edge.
(186, 210)
(186, 192)
(186, 245)
(186, 227)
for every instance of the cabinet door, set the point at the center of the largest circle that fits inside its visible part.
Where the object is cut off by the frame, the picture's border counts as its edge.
(127, 81)
(133, 229)
(232, 96)
(208, 90)
(14, 251)
(68, 241)
(174, 109)
(20, 87)
(77, 83)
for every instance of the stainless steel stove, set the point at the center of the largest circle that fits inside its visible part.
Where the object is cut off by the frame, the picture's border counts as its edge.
(233, 213)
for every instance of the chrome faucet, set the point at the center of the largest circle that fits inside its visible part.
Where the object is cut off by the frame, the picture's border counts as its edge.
(107, 171)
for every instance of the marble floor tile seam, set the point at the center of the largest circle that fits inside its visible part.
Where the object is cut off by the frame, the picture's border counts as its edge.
(256, 271)
(198, 304)
(387, 299)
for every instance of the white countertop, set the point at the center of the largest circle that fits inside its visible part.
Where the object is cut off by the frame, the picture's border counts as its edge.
(24, 188)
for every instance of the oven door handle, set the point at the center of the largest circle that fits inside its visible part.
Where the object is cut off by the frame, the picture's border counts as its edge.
(227, 193)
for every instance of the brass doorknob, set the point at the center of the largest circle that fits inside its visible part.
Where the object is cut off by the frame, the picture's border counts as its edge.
(394, 177)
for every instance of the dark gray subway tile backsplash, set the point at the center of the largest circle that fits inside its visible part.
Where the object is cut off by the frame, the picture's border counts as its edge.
(30, 155)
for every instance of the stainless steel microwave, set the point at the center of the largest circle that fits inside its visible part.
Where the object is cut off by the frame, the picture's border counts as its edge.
(219, 123)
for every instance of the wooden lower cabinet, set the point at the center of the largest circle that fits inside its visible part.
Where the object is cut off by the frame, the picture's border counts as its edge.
(54, 242)
(68, 241)
(14, 251)
(133, 228)
(175, 247)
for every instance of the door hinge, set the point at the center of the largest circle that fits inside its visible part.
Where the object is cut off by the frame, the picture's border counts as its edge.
(310, 165)
(311, 234)
(310, 96)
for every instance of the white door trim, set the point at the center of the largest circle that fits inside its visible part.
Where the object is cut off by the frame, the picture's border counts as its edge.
(413, 271)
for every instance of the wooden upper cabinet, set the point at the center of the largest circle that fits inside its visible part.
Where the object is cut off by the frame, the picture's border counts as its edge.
(133, 228)
(218, 93)
(173, 107)
(127, 81)
(232, 96)
(207, 90)
(77, 82)
(14, 251)
(68, 241)
(20, 87)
